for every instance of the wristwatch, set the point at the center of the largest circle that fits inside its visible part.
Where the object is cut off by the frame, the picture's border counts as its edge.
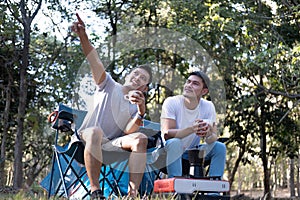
(141, 116)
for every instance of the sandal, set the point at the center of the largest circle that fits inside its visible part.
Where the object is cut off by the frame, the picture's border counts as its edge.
(97, 195)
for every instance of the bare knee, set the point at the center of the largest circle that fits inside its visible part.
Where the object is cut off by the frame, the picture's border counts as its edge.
(92, 136)
(140, 143)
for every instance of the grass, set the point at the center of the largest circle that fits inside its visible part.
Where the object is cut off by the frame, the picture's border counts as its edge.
(30, 195)
(24, 196)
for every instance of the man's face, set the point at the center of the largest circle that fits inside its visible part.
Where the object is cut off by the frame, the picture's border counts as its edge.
(137, 79)
(194, 87)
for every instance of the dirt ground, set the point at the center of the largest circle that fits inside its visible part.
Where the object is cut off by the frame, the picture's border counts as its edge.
(281, 194)
(258, 194)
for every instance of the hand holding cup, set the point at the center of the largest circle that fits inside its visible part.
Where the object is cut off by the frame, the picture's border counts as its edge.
(135, 97)
(201, 127)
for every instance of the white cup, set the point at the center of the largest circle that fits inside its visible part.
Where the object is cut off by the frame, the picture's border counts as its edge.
(208, 121)
(126, 96)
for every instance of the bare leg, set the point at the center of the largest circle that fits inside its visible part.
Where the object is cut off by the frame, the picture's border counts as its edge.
(136, 169)
(93, 155)
(137, 143)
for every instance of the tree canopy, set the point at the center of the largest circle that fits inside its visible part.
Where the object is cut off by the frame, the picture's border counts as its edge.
(249, 49)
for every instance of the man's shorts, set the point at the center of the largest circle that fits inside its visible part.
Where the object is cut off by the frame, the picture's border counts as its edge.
(107, 144)
(112, 145)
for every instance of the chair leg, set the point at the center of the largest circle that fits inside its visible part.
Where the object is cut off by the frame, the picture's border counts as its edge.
(105, 172)
(78, 176)
(63, 171)
(51, 177)
(61, 174)
(148, 171)
(104, 180)
(111, 175)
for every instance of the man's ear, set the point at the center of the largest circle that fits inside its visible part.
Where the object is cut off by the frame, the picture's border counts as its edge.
(204, 91)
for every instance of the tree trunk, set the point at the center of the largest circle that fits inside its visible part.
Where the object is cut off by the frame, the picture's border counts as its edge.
(292, 175)
(298, 174)
(5, 131)
(276, 177)
(284, 174)
(18, 153)
(26, 21)
(263, 146)
(237, 163)
(267, 191)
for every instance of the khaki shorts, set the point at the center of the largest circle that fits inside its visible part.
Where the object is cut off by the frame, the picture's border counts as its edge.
(107, 145)
(112, 145)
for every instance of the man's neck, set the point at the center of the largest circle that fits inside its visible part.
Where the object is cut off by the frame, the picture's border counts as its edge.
(126, 89)
(191, 103)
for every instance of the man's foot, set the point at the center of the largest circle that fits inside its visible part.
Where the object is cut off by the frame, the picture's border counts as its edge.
(129, 198)
(97, 195)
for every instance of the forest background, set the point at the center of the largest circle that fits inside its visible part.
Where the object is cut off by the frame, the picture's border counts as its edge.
(251, 51)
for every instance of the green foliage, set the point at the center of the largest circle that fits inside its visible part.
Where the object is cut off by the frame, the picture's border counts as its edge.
(50, 78)
(255, 46)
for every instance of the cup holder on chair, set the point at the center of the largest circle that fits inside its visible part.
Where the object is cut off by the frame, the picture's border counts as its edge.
(61, 120)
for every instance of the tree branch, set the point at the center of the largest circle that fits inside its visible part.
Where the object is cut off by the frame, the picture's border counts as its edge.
(296, 104)
(12, 12)
(36, 11)
(279, 93)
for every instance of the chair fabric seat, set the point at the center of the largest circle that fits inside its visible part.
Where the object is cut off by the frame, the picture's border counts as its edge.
(69, 179)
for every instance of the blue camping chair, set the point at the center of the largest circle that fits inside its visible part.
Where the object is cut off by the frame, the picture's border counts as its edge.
(68, 176)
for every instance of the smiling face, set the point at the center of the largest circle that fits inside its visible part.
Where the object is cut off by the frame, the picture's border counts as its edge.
(137, 79)
(194, 87)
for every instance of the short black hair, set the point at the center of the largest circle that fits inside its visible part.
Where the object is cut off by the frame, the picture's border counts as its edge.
(148, 69)
(203, 76)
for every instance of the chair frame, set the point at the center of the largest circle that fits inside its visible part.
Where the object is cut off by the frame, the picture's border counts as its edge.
(62, 122)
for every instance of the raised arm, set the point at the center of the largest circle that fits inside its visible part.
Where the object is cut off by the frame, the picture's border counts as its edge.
(89, 51)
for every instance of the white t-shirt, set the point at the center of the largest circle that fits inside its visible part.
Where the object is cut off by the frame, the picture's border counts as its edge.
(174, 108)
(111, 110)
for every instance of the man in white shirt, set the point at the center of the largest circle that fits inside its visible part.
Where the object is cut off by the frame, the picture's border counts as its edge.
(187, 118)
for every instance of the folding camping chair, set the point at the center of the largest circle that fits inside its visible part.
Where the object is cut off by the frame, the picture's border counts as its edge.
(68, 176)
